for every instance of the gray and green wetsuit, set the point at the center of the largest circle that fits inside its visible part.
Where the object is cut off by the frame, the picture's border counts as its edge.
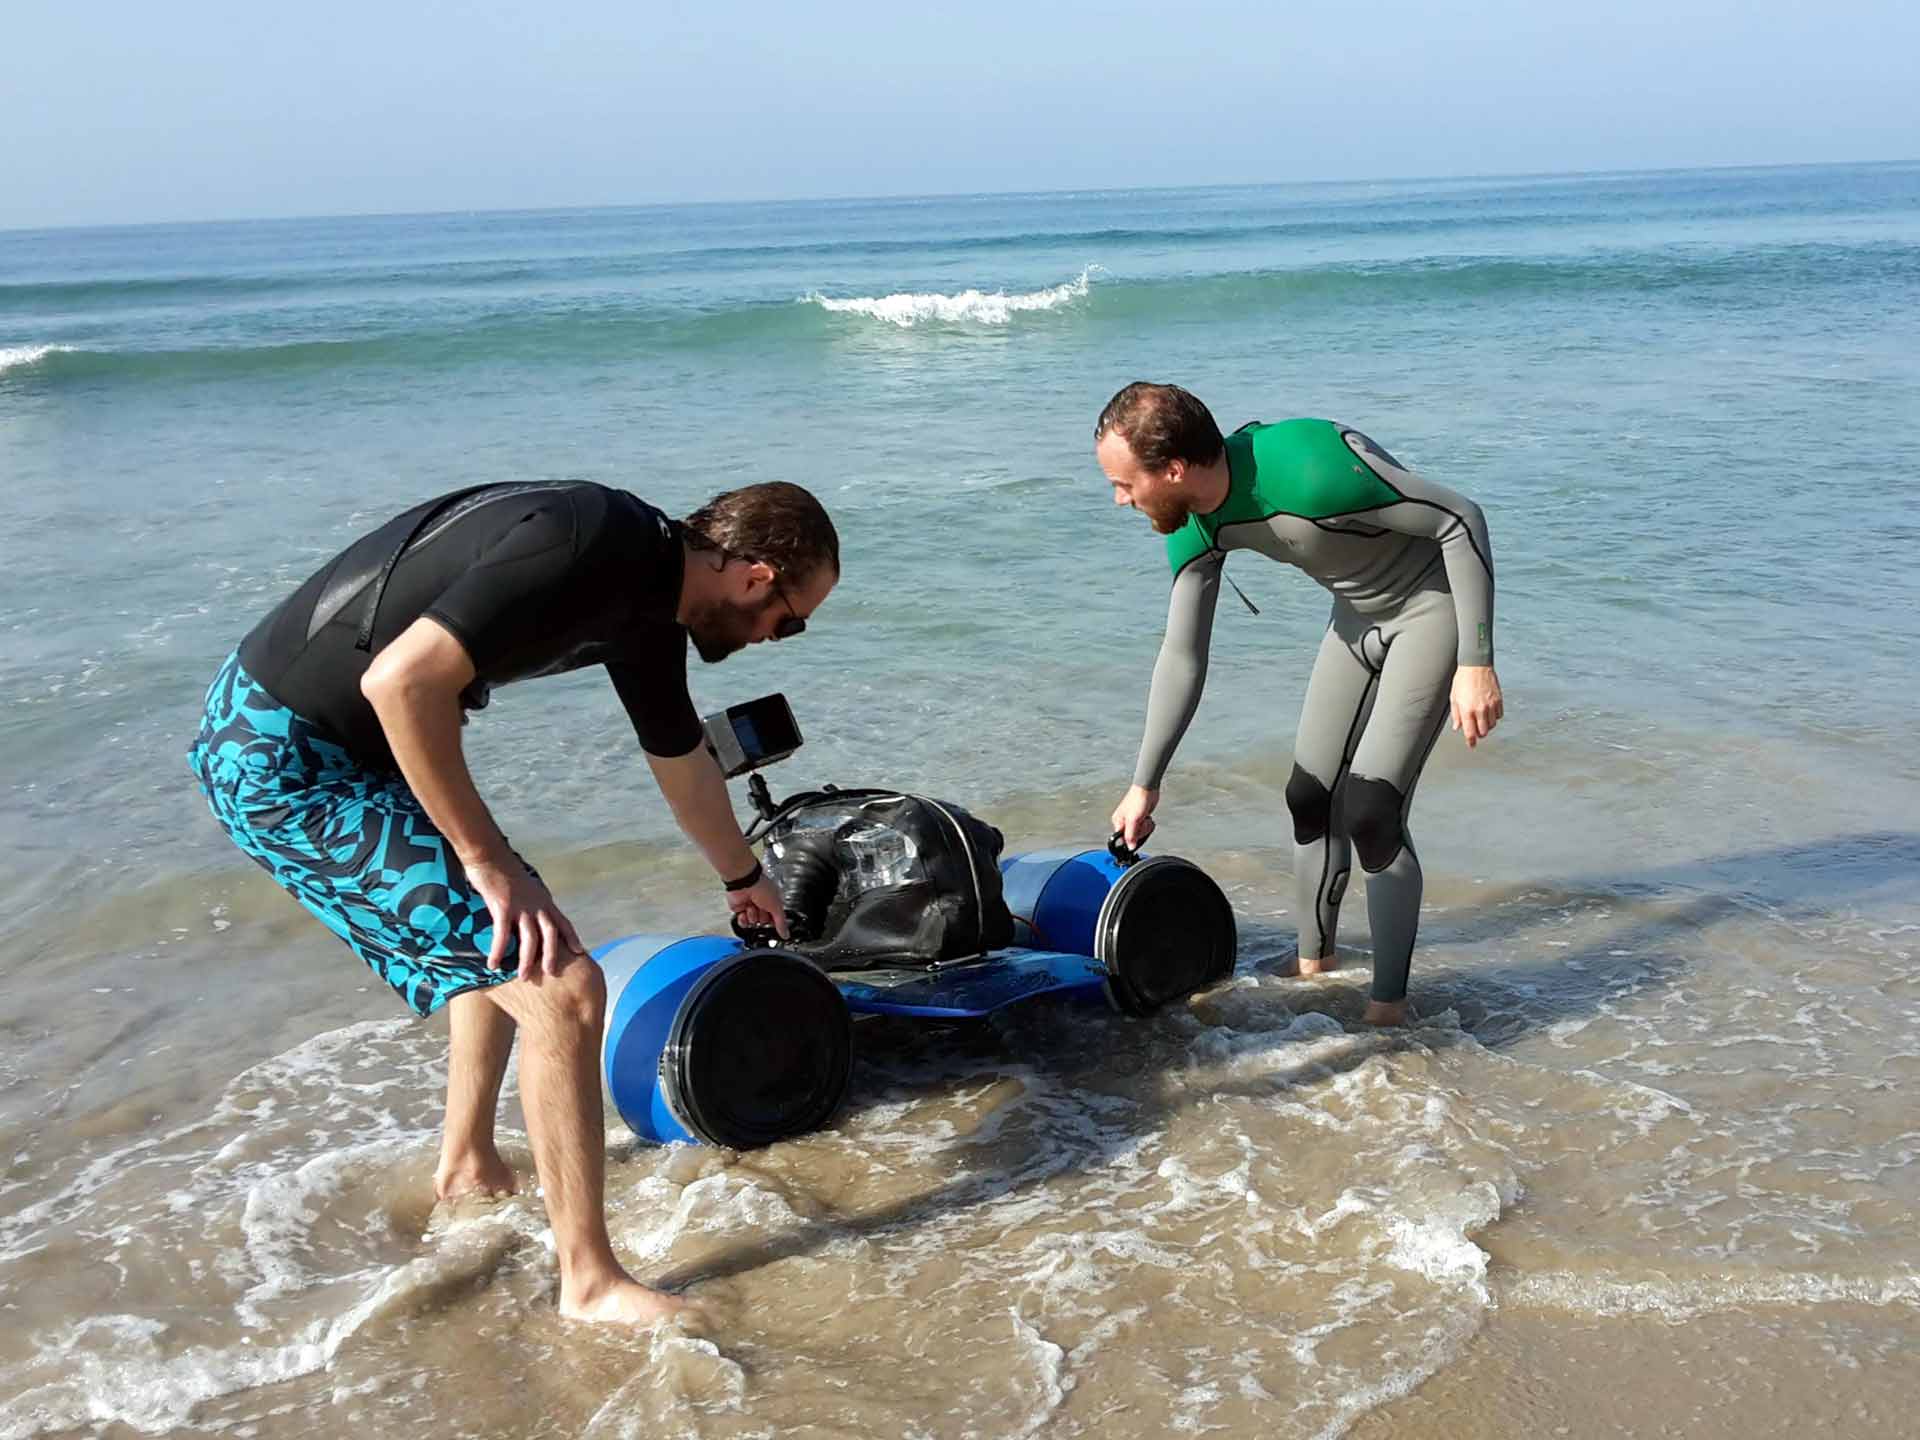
(1411, 572)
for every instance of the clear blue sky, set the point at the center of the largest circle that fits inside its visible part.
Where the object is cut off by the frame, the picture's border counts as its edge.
(116, 111)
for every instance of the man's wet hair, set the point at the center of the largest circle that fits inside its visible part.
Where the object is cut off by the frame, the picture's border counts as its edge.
(1161, 424)
(776, 522)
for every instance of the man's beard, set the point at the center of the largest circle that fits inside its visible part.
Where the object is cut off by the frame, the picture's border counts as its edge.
(722, 629)
(1166, 515)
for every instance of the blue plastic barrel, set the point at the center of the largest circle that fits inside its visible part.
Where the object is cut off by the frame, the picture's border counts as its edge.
(711, 1040)
(1160, 928)
(714, 1040)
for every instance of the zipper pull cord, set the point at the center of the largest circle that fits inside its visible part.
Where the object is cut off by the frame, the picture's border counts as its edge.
(1252, 608)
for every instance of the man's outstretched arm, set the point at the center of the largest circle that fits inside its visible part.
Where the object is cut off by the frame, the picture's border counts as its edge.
(414, 686)
(697, 793)
(1179, 676)
(1180, 672)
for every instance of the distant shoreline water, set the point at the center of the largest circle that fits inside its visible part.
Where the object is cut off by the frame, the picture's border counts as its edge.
(912, 198)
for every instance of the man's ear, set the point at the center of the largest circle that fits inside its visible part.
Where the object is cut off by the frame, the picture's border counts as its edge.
(760, 572)
(1177, 472)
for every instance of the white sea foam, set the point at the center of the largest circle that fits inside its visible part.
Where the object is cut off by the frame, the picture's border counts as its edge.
(1435, 1242)
(281, 1209)
(118, 1369)
(19, 357)
(134, 1383)
(685, 1380)
(1087, 1261)
(1047, 1385)
(978, 307)
(1688, 1298)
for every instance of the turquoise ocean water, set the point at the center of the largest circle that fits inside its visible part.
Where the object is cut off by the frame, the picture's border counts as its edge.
(1689, 402)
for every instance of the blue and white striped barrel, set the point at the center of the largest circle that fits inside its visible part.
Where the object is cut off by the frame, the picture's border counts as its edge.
(711, 1040)
(1159, 926)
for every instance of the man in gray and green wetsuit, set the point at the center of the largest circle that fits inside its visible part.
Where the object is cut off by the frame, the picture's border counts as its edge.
(1410, 640)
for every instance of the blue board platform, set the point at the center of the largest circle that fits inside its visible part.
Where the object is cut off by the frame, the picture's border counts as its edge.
(972, 989)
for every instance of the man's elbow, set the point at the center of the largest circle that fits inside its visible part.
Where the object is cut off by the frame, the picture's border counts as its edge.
(393, 680)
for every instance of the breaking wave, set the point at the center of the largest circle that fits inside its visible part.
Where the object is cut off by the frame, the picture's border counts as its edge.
(978, 307)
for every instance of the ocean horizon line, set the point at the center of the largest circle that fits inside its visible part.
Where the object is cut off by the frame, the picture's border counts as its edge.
(932, 196)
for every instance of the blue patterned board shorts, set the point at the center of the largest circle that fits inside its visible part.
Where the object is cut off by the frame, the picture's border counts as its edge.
(351, 844)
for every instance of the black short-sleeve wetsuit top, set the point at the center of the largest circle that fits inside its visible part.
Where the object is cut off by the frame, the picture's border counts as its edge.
(532, 579)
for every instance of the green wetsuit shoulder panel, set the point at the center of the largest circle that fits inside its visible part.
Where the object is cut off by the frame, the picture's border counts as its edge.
(1295, 467)
(1305, 468)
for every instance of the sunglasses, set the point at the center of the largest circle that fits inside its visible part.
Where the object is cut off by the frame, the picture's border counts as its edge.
(792, 623)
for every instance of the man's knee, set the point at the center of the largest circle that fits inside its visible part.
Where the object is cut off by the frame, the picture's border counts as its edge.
(1372, 811)
(1311, 805)
(576, 998)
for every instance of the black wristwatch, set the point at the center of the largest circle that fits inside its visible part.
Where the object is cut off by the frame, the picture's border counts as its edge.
(748, 880)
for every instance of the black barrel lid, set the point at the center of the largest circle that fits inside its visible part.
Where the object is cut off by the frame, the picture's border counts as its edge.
(1165, 931)
(761, 1049)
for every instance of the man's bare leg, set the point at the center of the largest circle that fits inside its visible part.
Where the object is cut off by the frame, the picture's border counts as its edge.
(560, 1018)
(482, 1039)
(1320, 966)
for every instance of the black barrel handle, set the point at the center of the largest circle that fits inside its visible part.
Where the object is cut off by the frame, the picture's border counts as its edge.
(761, 937)
(1117, 847)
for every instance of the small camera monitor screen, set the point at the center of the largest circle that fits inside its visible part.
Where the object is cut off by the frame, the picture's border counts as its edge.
(745, 737)
(766, 727)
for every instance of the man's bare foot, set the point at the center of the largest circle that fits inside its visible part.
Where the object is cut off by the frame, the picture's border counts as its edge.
(622, 1302)
(1386, 1012)
(1317, 967)
(479, 1176)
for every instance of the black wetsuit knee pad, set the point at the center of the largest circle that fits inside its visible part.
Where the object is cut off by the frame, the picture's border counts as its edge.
(1311, 804)
(1371, 810)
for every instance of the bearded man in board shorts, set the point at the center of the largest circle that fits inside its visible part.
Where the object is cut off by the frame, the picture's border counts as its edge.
(331, 754)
